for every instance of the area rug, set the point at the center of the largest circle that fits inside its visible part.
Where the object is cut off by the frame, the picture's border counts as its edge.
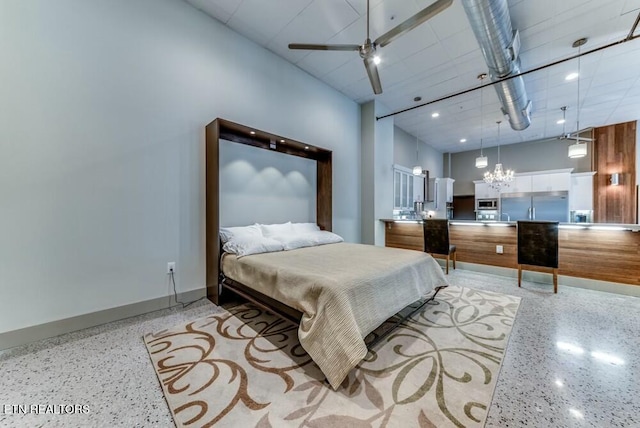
(245, 368)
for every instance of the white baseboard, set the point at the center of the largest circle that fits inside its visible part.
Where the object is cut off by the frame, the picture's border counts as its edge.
(26, 335)
(547, 278)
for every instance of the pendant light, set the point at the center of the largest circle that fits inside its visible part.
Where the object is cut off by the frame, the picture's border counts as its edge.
(499, 177)
(579, 149)
(417, 170)
(481, 161)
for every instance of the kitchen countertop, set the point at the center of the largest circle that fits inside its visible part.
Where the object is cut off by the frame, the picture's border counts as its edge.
(591, 226)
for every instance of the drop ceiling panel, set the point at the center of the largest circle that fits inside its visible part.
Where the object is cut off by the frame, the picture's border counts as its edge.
(442, 57)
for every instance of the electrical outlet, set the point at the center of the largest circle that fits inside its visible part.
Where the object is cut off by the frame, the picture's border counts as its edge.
(499, 249)
(171, 267)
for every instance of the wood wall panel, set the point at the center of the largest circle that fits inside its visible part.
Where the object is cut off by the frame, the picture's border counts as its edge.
(594, 254)
(615, 151)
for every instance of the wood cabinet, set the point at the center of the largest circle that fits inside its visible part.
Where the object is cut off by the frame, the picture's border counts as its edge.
(605, 255)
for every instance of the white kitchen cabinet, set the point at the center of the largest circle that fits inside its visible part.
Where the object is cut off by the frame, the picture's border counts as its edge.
(581, 193)
(449, 187)
(484, 191)
(520, 183)
(552, 181)
(559, 181)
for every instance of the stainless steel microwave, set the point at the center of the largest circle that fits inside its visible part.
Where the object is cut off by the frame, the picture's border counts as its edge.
(487, 204)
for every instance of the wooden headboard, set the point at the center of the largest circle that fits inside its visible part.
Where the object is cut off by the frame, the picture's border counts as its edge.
(221, 129)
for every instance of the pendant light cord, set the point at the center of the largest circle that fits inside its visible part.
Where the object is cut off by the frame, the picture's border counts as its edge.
(578, 101)
(498, 122)
(481, 77)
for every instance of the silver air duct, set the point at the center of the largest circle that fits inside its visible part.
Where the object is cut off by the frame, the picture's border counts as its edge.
(500, 46)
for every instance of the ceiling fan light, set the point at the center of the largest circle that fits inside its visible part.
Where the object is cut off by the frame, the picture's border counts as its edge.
(376, 60)
(482, 162)
(577, 150)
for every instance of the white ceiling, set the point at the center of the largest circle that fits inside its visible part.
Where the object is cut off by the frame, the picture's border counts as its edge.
(441, 57)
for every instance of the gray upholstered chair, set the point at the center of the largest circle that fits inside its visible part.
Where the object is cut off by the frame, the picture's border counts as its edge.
(436, 240)
(538, 246)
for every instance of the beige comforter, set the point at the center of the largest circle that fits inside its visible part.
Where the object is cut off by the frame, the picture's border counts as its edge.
(343, 290)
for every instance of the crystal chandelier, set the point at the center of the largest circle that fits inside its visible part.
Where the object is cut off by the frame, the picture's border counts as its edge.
(499, 177)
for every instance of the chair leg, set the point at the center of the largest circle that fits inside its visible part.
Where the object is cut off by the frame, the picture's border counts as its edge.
(519, 275)
(454, 260)
(447, 268)
(555, 281)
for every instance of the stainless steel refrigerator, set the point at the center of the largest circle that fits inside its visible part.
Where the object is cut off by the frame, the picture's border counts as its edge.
(552, 206)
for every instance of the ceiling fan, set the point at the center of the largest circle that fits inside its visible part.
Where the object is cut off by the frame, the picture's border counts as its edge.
(574, 136)
(368, 49)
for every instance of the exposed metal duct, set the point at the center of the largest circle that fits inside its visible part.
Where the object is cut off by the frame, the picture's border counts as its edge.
(500, 46)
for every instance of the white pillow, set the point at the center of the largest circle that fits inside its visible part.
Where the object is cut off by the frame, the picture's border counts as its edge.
(305, 227)
(241, 232)
(309, 239)
(247, 246)
(322, 237)
(282, 229)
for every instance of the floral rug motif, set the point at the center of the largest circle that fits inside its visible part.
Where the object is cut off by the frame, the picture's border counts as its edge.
(246, 368)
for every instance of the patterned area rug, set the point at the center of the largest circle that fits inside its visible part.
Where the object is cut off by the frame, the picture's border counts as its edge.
(246, 368)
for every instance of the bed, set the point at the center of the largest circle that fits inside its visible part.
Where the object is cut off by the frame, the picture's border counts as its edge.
(383, 280)
(342, 290)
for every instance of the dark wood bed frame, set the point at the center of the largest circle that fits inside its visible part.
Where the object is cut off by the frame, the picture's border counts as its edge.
(221, 129)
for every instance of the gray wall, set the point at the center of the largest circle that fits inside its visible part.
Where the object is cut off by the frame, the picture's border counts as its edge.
(404, 153)
(262, 186)
(377, 172)
(523, 157)
(103, 109)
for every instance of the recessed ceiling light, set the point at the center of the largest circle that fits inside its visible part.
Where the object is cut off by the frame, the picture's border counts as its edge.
(607, 358)
(282, 141)
(436, 114)
(252, 132)
(571, 76)
(463, 140)
(306, 147)
(576, 413)
(560, 122)
(570, 348)
(376, 59)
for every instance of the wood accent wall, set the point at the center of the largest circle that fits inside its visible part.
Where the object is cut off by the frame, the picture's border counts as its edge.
(605, 255)
(615, 151)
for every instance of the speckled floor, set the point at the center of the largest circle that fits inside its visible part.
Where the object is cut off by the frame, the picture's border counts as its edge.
(573, 360)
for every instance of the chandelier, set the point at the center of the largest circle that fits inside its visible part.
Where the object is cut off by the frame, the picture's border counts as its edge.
(499, 177)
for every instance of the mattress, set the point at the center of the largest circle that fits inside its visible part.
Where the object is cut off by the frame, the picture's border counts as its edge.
(343, 290)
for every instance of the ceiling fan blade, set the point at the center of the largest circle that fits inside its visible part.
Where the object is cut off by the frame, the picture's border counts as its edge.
(313, 47)
(572, 137)
(374, 78)
(411, 23)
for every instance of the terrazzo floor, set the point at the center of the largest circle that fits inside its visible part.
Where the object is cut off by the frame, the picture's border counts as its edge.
(572, 361)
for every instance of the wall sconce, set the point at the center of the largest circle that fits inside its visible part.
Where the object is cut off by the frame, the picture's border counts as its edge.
(615, 179)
